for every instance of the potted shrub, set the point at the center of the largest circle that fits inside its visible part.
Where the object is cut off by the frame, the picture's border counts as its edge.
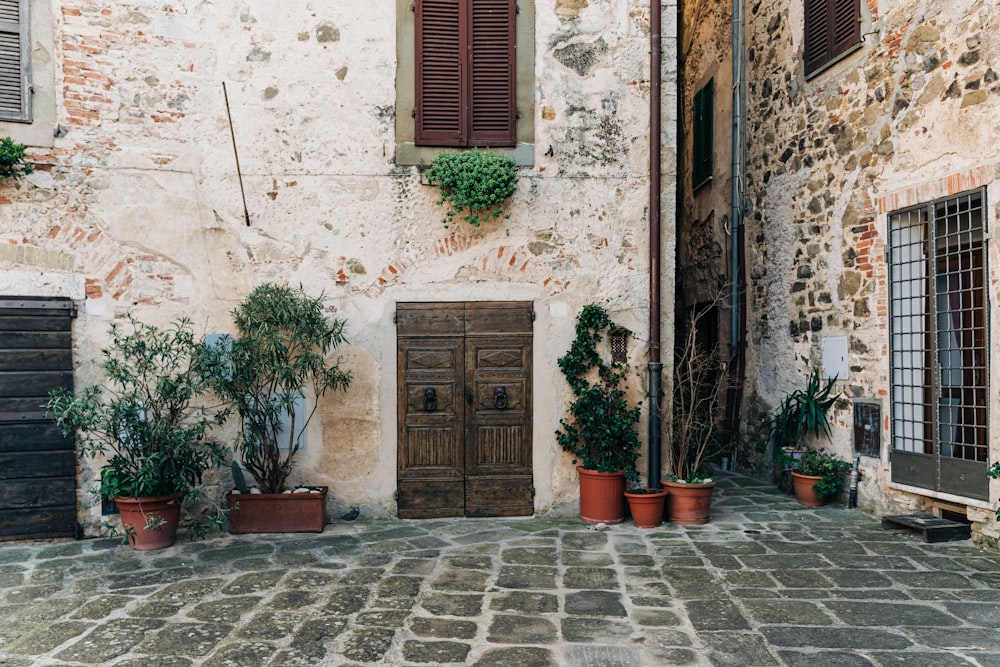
(147, 419)
(816, 476)
(283, 337)
(600, 432)
(474, 181)
(696, 407)
(802, 418)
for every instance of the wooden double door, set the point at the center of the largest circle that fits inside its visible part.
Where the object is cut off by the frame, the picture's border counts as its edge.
(464, 409)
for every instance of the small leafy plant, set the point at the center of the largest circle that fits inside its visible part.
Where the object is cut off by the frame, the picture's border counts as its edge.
(12, 164)
(819, 462)
(280, 348)
(601, 433)
(994, 472)
(478, 182)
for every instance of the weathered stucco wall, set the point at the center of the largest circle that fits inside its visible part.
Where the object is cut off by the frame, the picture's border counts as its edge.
(136, 206)
(907, 118)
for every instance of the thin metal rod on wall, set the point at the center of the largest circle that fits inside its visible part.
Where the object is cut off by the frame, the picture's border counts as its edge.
(655, 367)
(236, 154)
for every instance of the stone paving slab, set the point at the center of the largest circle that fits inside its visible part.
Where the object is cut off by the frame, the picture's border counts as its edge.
(767, 582)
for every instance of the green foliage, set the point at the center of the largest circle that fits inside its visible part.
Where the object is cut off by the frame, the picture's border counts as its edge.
(12, 164)
(147, 417)
(822, 463)
(282, 341)
(994, 472)
(803, 413)
(475, 181)
(601, 434)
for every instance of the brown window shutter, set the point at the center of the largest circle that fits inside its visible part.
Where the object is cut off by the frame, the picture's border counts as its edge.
(440, 120)
(493, 56)
(14, 86)
(846, 26)
(816, 51)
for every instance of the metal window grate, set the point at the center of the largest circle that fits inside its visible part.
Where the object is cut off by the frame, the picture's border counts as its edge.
(939, 329)
(619, 346)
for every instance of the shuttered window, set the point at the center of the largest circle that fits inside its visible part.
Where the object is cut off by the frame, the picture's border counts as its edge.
(832, 28)
(465, 56)
(15, 89)
(702, 132)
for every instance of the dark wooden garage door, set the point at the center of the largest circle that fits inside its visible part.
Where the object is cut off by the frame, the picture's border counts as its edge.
(464, 409)
(37, 464)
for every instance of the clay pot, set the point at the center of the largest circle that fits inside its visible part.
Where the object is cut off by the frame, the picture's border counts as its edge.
(689, 504)
(163, 513)
(277, 512)
(803, 487)
(646, 507)
(602, 496)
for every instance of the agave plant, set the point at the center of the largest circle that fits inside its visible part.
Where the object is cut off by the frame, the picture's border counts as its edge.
(803, 413)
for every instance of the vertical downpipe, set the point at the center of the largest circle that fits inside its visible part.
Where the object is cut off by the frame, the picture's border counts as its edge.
(655, 367)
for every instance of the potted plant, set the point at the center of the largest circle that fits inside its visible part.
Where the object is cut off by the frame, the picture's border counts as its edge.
(478, 182)
(645, 505)
(816, 476)
(601, 430)
(148, 420)
(696, 407)
(802, 418)
(283, 337)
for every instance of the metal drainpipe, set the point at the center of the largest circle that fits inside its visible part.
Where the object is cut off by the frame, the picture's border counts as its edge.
(655, 367)
(736, 210)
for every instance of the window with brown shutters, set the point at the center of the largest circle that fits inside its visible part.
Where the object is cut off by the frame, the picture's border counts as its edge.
(832, 28)
(465, 56)
(15, 89)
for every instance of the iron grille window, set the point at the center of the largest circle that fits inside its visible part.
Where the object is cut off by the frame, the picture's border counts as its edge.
(832, 28)
(703, 147)
(939, 328)
(465, 56)
(15, 87)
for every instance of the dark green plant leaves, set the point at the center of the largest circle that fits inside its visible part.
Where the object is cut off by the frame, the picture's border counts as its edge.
(12, 163)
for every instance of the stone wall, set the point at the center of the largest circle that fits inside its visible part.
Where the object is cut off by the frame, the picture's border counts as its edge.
(908, 117)
(136, 206)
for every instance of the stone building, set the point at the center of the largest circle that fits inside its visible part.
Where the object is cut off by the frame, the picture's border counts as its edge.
(135, 205)
(860, 239)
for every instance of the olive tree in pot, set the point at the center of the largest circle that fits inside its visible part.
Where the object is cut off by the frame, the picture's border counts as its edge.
(148, 420)
(699, 388)
(283, 338)
(601, 430)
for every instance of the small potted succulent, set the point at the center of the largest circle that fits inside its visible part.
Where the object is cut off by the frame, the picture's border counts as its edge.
(149, 422)
(283, 338)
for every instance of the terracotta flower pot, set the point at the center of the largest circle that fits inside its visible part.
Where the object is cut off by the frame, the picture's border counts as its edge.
(803, 487)
(162, 512)
(277, 512)
(689, 504)
(602, 496)
(647, 507)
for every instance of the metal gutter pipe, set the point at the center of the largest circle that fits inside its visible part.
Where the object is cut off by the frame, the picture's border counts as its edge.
(655, 367)
(736, 208)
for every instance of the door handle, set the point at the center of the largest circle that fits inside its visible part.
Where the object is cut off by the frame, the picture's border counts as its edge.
(500, 398)
(430, 400)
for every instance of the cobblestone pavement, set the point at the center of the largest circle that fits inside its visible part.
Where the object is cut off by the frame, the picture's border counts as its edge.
(767, 582)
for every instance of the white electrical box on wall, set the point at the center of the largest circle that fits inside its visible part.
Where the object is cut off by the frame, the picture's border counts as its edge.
(835, 357)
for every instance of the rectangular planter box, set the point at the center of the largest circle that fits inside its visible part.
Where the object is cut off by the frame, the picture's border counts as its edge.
(277, 512)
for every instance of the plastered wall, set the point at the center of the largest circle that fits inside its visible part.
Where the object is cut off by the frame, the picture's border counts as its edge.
(136, 205)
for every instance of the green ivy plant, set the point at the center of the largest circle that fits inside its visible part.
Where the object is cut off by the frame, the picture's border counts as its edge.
(478, 182)
(601, 432)
(994, 472)
(12, 163)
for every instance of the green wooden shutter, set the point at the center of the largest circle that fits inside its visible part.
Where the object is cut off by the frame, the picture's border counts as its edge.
(702, 132)
(440, 97)
(15, 89)
(492, 73)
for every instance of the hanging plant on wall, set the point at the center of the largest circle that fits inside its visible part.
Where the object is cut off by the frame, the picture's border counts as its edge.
(12, 164)
(478, 182)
